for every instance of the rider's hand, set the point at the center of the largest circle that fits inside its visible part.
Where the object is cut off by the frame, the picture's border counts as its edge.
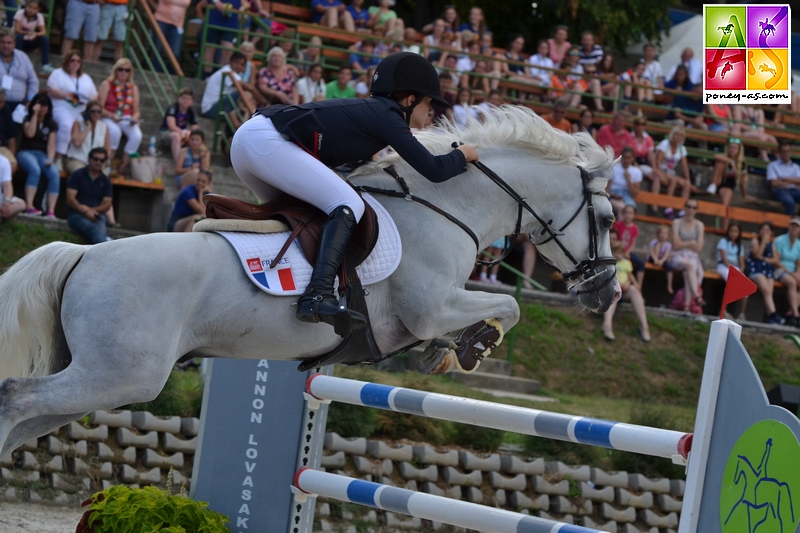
(470, 153)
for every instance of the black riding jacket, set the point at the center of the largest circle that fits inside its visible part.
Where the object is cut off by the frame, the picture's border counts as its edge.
(349, 130)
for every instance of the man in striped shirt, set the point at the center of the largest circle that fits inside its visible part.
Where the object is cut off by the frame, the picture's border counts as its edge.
(591, 53)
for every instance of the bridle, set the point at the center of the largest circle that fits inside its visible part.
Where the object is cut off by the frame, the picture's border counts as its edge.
(586, 269)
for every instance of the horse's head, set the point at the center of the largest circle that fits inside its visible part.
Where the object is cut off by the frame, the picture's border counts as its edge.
(573, 238)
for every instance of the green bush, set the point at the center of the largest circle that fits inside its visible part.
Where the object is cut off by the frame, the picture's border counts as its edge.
(351, 420)
(397, 426)
(570, 453)
(120, 509)
(181, 396)
(478, 438)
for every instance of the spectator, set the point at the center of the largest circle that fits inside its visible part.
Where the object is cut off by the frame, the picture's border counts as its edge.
(11, 205)
(688, 237)
(8, 132)
(639, 93)
(275, 80)
(487, 49)
(17, 66)
(476, 23)
(514, 66)
(450, 18)
(451, 67)
(585, 124)
(32, 32)
(760, 268)
(593, 85)
(652, 69)
(37, 149)
(476, 80)
(688, 109)
(561, 81)
(720, 119)
(88, 132)
(786, 249)
(89, 196)
(671, 154)
(121, 113)
(628, 231)
(434, 40)
(752, 127)
(783, 175)
(189, 206)
(623, 185)
(643, 146)
(411, 41)
(364, 59)
(332, 13)
(559, 46)
(248, 50)
(191, 160)
(211, 104)
(541, 69)
(381, 16)
(730, 253)
(359, 15)
(729, 170)
(223, 14)
(494, 251)
(312, 54)
(493, 100)
(693, 67)
(70, 89)
(463, 107)
(170, 16)
(113, 15)
(81, 15)
(340, 87)
(466, 63)
(557, 118)
(660, 249)
(447, 90)
(615, 134)
(312, 87)
(590, 53)
(178, 123)
(631, 291)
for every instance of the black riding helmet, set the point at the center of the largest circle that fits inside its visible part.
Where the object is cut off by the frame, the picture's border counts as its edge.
(405, 72)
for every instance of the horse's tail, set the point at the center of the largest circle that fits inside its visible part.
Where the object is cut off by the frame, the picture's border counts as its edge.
(29, 308)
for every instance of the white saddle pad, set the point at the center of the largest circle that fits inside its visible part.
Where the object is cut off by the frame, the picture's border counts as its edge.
(291, 276)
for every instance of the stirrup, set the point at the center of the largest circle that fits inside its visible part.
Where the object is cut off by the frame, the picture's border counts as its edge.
(326, 309)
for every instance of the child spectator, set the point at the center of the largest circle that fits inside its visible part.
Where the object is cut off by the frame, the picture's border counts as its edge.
(494, 250)
(340, 87)
(178, 123)
(32, 32)
(670, 155)
(539, 63)
(786, 250)
(640, 93)
(435, 39)
(557, 118)
(607, 71)
(729, 170)
(449, 95)
(627, 231)
(88, 132)
(37, 149)
(312, 87)
(189, 206)
(211, 104)
(476, 24)
(463, 107)
(585, 124)
(652, 69)
(760, 268)
(730, 253)
(450, 18)
(559, 46)
(191, 160)
(624, 183)
(311, 55)
(364, 59)
(11, 204)
(660, 249)
(631, 291)
(89, 195)
(561, 80)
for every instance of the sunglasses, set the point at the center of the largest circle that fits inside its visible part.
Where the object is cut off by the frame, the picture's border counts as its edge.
(734, 140)
(99, 159)
(96, 111)
(123, 69)
(691, 207)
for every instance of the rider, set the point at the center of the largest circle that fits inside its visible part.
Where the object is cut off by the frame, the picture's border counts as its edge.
(292, 149)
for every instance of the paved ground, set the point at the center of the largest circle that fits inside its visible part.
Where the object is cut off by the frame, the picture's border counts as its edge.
(34, 518)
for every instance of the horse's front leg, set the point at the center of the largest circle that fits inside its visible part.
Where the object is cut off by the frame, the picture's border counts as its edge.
(485, 317)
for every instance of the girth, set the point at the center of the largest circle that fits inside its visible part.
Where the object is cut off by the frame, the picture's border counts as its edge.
(304, 219)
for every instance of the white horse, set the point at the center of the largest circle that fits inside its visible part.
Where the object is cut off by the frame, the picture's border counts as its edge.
(84, 328)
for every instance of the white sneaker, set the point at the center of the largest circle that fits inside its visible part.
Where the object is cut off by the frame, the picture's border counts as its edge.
(711, 189)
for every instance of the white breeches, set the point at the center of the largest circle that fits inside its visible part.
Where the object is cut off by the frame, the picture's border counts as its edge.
(65, 118)
(268, 164)
(132, 132)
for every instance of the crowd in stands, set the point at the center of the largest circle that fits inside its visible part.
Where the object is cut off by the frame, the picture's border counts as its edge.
(77, 128)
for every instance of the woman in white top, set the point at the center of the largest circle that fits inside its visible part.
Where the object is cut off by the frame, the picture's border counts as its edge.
(312, 87)
(671, 154)
(463, 108)
(88, 132)
(540, 61)
(70, 89)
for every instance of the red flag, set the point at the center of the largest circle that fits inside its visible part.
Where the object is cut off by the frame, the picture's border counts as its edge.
(739, 286)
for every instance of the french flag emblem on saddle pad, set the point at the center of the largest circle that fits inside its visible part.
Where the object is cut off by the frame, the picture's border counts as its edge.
(292, 274)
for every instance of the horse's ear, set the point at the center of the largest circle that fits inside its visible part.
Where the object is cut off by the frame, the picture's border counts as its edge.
(599, 176)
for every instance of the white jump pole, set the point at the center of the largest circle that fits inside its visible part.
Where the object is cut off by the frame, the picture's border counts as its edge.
(420, 504)
(615, 435)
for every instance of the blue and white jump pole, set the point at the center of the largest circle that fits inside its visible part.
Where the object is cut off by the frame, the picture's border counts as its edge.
(615, 435)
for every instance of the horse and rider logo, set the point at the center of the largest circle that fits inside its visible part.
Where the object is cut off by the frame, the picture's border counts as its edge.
(747, 47)
(760, 490)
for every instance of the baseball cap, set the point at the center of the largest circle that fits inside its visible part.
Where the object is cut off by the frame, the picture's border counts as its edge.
(794, 220)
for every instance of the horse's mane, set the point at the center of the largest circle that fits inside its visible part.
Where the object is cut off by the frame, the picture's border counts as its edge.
(509, 126)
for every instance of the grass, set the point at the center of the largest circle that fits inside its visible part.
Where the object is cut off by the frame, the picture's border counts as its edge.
(18, 238)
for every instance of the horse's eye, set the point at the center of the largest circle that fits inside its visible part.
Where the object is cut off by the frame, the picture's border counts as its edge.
(608, 222)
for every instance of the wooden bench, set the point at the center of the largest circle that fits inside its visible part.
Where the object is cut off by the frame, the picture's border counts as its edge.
(330, 34)
(137, 205)
(521, 87)
(288, 11)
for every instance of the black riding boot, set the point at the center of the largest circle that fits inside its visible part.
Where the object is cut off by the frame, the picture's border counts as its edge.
(319, 303)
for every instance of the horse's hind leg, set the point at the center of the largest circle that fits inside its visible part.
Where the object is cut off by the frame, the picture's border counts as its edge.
(35, 427)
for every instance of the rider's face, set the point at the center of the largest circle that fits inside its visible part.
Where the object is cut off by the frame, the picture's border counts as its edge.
(420, 114)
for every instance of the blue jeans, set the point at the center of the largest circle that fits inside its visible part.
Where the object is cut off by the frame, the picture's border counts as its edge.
(94, 231)
(29, 46)
(788, 196)
(173, 39)
(32, 163)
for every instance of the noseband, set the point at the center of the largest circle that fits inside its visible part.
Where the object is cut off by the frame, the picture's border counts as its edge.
(587, 269)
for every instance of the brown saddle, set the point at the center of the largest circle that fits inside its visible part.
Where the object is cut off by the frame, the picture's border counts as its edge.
(304, 219)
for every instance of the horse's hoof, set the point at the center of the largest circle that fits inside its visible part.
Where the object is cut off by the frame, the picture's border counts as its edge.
(437, 358)
(476, 342)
